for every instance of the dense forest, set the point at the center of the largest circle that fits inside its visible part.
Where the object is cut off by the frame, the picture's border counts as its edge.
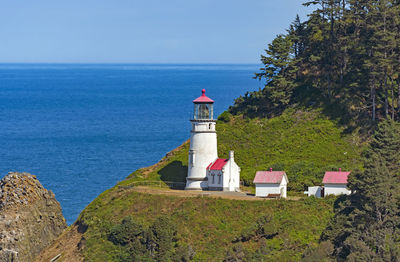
(345, 58)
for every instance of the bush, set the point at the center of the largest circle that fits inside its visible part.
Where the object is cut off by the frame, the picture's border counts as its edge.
(161, 238)
(157, 243)
(225, 117)
(126, 232)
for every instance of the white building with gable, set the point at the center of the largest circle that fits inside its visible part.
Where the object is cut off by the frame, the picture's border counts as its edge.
(224, 174)
(335, 183)
(271, 183)
(205, 170)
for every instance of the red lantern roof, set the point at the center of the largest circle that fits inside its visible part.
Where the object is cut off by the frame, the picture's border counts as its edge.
(203, 98)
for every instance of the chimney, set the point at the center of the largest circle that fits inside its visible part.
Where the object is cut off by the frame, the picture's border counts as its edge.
(231, 155)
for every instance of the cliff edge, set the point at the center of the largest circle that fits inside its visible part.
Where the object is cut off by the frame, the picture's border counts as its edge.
(30, 217)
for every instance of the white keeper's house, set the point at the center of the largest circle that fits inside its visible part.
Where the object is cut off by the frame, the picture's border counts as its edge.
(205, 170)
(223, 174)
(271, 183)
(335, 183)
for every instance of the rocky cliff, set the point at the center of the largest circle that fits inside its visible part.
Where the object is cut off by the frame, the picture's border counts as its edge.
(30, 217)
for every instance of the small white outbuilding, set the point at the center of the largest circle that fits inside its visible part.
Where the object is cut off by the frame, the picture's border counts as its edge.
(335, 183)
(224, 174)
(314, 191)
(271, 183)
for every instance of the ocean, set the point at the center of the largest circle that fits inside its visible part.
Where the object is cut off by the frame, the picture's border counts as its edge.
(81, 128)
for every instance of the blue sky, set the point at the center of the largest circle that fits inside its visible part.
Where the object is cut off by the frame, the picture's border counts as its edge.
(145, 31)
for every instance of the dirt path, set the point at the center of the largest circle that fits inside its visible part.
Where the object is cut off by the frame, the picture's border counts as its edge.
(214, 194)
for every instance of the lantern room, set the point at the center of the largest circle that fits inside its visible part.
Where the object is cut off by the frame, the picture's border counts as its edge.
(203, 107)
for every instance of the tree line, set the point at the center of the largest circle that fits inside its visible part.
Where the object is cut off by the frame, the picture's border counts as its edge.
(347, 53)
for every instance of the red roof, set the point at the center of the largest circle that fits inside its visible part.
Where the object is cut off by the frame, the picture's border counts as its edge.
(217, 164)
(335, 177)
(269, 177)
(203, 98)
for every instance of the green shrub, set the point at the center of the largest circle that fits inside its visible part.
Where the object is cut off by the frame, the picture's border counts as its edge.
(225, 117)
(126, 232)
(161, 238)
(156, 243)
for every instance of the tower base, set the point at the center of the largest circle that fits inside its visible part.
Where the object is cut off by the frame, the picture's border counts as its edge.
(196, 184)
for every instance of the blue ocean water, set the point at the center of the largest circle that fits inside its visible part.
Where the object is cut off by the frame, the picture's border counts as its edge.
(82, 128)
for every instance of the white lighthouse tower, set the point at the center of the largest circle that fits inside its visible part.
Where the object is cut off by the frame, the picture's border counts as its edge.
(203, 143)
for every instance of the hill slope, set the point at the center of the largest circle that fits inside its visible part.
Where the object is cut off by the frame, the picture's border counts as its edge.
(209, 229)
(303, 143)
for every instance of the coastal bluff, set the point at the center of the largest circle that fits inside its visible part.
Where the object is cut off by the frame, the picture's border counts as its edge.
(30, 217)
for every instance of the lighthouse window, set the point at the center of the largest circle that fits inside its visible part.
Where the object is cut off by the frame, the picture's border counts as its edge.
(191, 157)
(213, 179)
(219, 179)
(204, 112)
(209, 126)
(196, 110)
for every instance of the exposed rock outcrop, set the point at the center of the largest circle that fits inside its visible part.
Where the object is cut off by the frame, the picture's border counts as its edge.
(30, 217)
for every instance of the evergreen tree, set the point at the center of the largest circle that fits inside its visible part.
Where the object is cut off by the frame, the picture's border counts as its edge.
(347, 53)
(366, 224)
(278, 70)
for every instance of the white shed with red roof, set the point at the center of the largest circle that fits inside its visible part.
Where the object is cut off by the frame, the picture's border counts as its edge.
(335, 183)
(224, 174)
(271, 183)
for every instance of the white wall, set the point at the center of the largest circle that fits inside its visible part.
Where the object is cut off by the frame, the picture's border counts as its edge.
(262, 190)
(217, 174)
(283, 187)
(197, 184)
(231, 171)
(231, 176)
(203, 151)
(235, 175)
(336, 189)
(314, 191)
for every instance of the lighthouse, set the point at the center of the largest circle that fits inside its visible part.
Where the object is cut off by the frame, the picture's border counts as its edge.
(203, 143)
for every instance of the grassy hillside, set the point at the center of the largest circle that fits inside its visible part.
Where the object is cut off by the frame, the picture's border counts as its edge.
(123, 223)
(303, 143)
(213, 228)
